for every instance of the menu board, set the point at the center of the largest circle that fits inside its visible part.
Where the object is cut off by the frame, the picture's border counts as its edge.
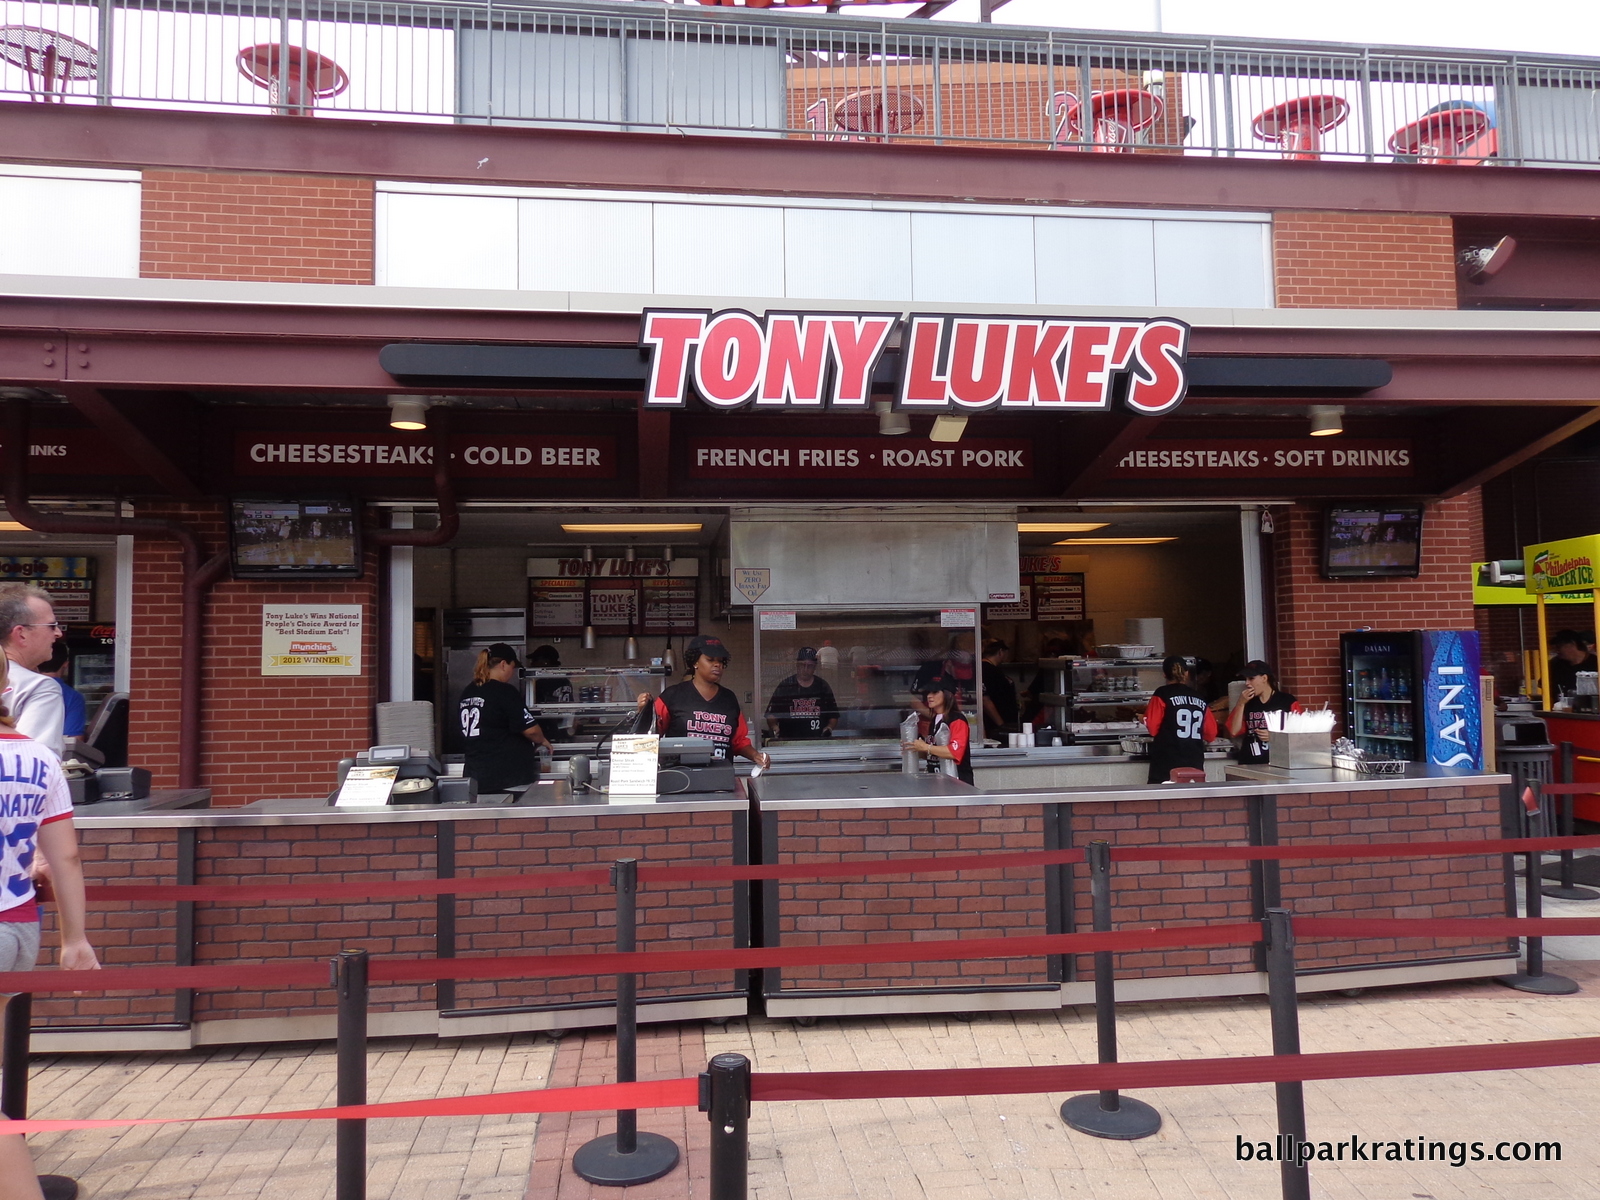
(669, 606)
(614, 605)
(556, 607)
(1058, 597)
(70, 582)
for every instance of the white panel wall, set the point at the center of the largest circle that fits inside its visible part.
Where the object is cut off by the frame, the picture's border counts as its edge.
(54, 224)
(1087, 260)
(1213, 264)
(446, 241)
(819, 251)
(578, 246)
(718, 250)
(980, 258)
(830, 253)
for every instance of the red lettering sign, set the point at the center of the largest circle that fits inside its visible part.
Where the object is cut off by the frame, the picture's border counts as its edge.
(803, 360)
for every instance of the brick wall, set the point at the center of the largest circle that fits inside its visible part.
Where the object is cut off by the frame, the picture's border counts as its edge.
(263, 735)
(1312, 612)
(273, 228)
(1363, 260)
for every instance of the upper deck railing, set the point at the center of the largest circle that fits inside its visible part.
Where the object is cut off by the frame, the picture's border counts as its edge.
(631, 65)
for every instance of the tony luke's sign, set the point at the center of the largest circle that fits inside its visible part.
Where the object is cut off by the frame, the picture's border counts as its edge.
(947, 363)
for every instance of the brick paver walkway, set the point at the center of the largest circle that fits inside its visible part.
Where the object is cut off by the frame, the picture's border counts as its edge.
(977, 1148)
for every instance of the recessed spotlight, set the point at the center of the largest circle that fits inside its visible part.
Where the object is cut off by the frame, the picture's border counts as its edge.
(1326, 420)
(408, 412)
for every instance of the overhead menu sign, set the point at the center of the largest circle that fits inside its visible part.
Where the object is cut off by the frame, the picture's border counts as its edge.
(948, 363)
(858, 458)
(472, 455)
(1215, 458)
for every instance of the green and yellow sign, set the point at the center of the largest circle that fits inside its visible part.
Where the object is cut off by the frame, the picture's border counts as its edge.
(1563, 566)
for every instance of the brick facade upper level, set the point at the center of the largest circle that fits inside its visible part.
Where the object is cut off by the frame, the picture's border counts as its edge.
(1363, 260)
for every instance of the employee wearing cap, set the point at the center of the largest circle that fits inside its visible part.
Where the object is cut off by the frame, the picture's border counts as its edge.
(700, 707)
(498, 731)
(802, 706)
(948, 743)
(1179, 721)
(1248, 717)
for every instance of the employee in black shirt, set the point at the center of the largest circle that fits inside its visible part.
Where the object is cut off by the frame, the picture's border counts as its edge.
(802, 706)
(1248, 718)
(700, 707)
(499, 732)
(999, 693)
(1180, 724)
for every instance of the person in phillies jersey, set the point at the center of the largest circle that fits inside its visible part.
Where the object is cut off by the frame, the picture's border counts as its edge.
(1180, 724)
(700, 707)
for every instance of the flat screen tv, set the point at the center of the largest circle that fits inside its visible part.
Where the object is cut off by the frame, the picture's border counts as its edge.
(274, 538)
(1372, 541)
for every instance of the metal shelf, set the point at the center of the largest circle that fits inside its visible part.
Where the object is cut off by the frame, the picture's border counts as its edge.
(1386, 737)
(1360, 701)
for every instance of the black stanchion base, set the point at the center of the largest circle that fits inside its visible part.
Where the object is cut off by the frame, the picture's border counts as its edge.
(1570, 893)
(58, 1187)
(1132, 1120)
(1542, 985)
(599, 1162)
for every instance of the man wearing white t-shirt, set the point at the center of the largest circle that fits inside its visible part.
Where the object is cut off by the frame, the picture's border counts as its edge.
(28, 633)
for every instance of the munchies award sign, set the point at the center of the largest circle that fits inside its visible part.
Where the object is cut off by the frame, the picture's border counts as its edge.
(948, 363)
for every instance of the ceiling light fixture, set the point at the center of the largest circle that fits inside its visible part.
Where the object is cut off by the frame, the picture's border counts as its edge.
(890, 423)
(1114, 541)
(1060, 526)
(948, 429)
(634, 527)
(1326, 420)
(12, 527)
(408, 412)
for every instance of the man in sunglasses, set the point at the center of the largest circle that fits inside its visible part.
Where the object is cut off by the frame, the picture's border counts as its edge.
(28, 633)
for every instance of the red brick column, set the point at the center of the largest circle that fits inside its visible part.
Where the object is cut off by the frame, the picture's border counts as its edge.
(275, 228)
(1363, 260)
(1312, 611)
(262, 735)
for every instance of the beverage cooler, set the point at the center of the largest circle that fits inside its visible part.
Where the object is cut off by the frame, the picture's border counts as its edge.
(1414, 695)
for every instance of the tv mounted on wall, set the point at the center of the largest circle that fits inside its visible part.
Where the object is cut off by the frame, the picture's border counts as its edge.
(1372, 541)
(275, 538)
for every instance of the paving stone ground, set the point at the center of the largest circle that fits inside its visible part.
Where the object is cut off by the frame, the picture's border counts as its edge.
(975, 1148)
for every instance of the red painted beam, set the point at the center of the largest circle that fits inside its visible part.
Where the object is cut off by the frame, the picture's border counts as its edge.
(75, 135)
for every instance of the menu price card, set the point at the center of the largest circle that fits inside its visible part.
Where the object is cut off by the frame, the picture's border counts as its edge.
(367, 787)
(634, 759)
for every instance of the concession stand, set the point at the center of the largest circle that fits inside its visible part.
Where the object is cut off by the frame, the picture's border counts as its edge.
(1110, 500)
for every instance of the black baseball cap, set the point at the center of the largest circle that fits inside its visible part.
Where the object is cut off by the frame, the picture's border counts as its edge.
(1253, 668)
(940, 683)
(806, 654)
(707, 645)
(500, 652)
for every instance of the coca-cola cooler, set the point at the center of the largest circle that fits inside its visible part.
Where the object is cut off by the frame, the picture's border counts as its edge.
(1414, 695)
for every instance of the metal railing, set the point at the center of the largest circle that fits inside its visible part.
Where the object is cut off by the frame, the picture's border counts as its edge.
(628, 65)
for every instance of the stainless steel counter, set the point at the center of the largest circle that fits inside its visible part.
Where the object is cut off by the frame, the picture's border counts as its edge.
(550, 798)
(158, 801)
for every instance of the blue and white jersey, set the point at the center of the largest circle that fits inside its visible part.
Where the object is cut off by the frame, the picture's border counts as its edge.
(33, 792)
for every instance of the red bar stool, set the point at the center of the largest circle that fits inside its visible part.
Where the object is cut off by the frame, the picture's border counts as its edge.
(299, 82)
(52, 60)
(1066, 122)
(1441, 139)
(861, 114)
(1117, 117)
(1297, 125)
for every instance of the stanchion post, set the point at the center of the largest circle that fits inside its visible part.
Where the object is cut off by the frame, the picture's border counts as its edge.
(725, 1098)
(627, 1156)
(15, 1052)
(1533, 978)
(1106, 1114)
(350, 1136)
(1567, 887)
(1283, 999)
